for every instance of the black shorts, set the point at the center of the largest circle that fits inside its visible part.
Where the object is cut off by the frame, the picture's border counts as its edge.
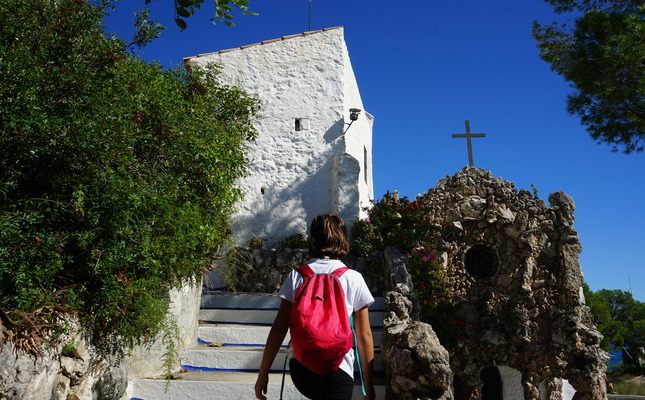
(335, 386)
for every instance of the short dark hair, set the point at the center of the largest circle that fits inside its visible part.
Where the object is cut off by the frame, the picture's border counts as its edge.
(328, 237)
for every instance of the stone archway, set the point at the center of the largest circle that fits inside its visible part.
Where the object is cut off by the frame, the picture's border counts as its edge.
(492, 384)
(458, 388)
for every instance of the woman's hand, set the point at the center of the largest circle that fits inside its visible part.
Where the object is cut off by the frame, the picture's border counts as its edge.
(365, 349)
(274, 341)
(261, 386)
(370, 393)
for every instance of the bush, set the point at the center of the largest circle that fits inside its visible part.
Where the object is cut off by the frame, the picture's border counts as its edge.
(117, 177)
(405, 224)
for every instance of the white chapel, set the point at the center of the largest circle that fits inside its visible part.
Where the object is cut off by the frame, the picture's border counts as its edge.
(312, 155)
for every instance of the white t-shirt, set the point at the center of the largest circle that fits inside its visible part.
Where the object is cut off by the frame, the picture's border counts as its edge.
(357, 294)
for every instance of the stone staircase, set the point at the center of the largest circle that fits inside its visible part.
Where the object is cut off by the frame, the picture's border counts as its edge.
(224, 363)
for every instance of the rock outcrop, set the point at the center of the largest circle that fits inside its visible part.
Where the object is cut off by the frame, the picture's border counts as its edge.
(417, 365)
(73, 370)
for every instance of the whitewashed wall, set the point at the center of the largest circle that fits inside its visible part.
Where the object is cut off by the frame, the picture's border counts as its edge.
(297, 174)
(358, 136)
(511, 383)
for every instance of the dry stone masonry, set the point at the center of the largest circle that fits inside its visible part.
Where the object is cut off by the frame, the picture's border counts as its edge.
(513, 262)
(77, 370)
(257, 270)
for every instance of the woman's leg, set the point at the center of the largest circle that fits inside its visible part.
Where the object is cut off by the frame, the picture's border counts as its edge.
(335, 386)
(338, 386)
(308, 383)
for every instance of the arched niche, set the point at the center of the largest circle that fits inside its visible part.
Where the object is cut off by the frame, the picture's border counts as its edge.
(492, 384)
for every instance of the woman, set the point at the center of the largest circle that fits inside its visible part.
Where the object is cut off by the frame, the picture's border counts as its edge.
(328, 244)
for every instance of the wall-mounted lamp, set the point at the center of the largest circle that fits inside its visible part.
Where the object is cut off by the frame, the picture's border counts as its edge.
(353, 116)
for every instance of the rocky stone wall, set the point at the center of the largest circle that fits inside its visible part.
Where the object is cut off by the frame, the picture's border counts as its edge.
(512, 261)
(417, 365)
(76, 369)
(149, 359)
(72, 370)
(258, 270)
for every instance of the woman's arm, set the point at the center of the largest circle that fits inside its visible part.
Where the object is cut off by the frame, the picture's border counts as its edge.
(274, 341)
(365, 349)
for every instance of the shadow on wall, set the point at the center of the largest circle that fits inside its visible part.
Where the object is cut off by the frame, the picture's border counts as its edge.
(335, 131)
(286, 208)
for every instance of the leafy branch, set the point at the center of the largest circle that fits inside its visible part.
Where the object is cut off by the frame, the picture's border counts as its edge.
(223, 10)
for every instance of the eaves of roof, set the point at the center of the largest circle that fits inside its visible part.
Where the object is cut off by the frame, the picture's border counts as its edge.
(186, 59)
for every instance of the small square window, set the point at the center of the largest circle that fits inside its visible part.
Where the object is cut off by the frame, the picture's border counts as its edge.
(301, 124)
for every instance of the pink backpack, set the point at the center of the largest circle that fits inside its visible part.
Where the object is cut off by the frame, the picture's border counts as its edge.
(321, 334)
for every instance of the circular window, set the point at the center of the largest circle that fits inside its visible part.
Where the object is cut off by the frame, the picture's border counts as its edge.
(481, 262)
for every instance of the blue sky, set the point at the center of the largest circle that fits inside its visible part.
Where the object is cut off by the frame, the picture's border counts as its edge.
(423, 68)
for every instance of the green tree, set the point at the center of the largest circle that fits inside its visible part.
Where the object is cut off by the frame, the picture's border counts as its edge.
(621, 319)
(117, 177)
(630, 314)
(183, 9)
(223, 10)
(611, 329)
(602, 56)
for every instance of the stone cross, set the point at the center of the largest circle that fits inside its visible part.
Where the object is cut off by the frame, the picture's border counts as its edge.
(468, 137)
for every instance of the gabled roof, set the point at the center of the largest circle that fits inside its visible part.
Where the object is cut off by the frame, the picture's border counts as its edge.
(264, 42)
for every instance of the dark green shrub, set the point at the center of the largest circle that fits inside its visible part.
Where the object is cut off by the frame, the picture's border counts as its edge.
(117, 177)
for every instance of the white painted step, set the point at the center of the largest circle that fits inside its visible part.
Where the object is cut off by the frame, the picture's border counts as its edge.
(238, 359)
(246, 334)
(218, 299)
(210, 385)
(235, 334)
(228, 358)
(261, 317)
(228, 372)
(219, 386)
(251, 301)
(258, 309)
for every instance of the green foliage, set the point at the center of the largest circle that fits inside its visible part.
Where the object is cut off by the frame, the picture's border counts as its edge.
(602, 317)
(393, 221)
(295, 241)
(223, 10)
(405, 224)
(585, 5)
(620, 318)
(603, 57)
(630, 388)
(116, 176)
(169, 335)
(146, 30)
(622, 381)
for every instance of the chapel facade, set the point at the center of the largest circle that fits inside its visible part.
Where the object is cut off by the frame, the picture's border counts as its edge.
(312, 155)
(512, 260)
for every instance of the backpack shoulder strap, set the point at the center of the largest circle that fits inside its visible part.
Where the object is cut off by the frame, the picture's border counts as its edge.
(338, 272)
(306, 271)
